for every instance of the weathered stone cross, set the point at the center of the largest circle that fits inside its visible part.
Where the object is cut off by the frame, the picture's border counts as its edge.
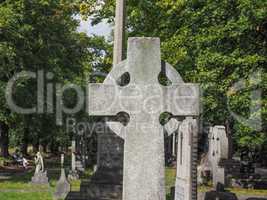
(143, 99)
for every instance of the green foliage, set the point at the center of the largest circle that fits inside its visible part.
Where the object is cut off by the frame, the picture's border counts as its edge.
(42, 35)
(214, 43)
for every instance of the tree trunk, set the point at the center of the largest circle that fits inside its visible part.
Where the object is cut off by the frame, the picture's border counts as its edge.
(4, 140)
(25, 141)
(36, 146)
(230, 138)
(44, 147)
(54, 147)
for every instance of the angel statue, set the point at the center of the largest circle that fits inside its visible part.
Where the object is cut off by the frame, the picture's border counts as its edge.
(39, 162)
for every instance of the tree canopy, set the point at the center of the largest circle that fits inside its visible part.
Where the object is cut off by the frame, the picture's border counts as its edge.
(219, 44)
(41, 36)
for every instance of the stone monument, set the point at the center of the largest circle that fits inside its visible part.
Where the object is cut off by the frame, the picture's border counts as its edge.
(143, 99)
(63, 186)
(220, 194)
(73, 174)
(40, 175)
(218, 150)
(106, 182)
(185, 177)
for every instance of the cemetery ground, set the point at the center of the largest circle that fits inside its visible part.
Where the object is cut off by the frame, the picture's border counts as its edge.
(15, 182)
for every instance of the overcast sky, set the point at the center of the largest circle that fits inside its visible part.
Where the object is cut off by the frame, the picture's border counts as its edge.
(102, 29)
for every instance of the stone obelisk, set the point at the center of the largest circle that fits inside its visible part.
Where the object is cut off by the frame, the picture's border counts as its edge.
(119, 32)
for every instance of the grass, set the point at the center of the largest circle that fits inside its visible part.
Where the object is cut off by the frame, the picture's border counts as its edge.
(239, 191)
(262, 193)
(18, 187)
(26, 196)
(169, 179)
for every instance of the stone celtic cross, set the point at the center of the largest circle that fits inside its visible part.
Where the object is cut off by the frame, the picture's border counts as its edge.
(143, 99)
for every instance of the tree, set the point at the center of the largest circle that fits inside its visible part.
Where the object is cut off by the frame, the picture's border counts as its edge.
(214, 43)
(37, 35)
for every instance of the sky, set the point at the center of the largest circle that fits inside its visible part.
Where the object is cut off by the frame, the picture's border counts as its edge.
(101, 29)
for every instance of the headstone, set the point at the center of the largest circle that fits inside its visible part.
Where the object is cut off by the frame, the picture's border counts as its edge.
(63, 186)
(106, 182)
(204, 170)
(169, 154)
(144, 99)
(262, 172)
(174, 150)
(218, 150)
(73, 174)
(40, 175)
(73, 156)
(80, 156)
(184, 185)
(220, 194)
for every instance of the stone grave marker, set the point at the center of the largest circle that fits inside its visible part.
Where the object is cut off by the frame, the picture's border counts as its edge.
(185, 188)
(63, 186)
(73, 174)
(106, 182)
(143, 99)
(220, 194)
(218, 150)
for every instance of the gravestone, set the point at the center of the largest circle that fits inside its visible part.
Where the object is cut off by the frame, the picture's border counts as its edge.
(220, 194)
(63, 186)
(185, 188)
(218, 151)
(40, 175)
(174, 144)
(143, 99)
(80, 156)
(73, 174)
(106, 182)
